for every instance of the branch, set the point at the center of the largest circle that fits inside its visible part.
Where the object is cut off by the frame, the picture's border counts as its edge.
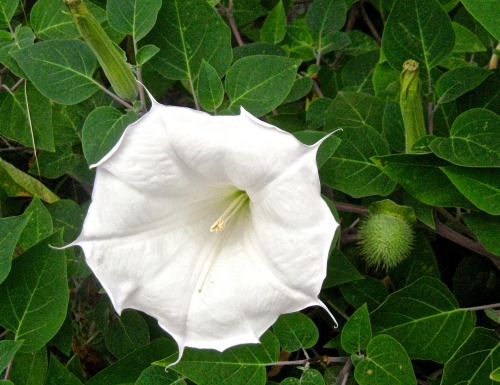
(320, 359)
(232, 23)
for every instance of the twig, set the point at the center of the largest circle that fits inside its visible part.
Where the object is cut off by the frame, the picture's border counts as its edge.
(142, 97)
(323, 359)
(484, 307)
(370, 25)
(349, 208)
(8, 369)
(116, 97)
(232, 23)
(4, 333)
(344, 373)
(459, 225)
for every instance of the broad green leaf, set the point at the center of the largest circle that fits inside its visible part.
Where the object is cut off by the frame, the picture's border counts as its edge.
(317, 112)
(101, 131)
(350, 169)
(126, 334)
(274, 29)
(472, 363)
(418, 30)
(156, 375)
(58, 374)
(187, 32)
(421, 177)
(129, 369)
(10, 228)
(39, 225)
(60, 69)
(133, 17)
(495, 374)
(145, 54)
(67, 215)
(327, 147)
(295, 331)
(393, 127)
(19, 184)
(473, 140)
(486, 228)
(424, 317)
(458, 81)
(23, 37)
(53, 165)
(209, 88)
(36, 294)
(8, 349)
(26, 117)
(486, 13)
(480, 186)
(386, 362)
(246, 11)
(369, 290)
(290, 381)
(340, 270)
(311, 377)
(299, 42)
(386, 81)
(357, 332)
(493, 315)
(300, 88)
(7, 10)
(30, 368)
(357, 73)
(243, 364)
(326, 16)
(50, 20)
(466, 40)
(355, 110)
(486, 95)
(258, 48)
(260, 83)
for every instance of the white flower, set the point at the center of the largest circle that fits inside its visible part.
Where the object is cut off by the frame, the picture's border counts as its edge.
(213, 225)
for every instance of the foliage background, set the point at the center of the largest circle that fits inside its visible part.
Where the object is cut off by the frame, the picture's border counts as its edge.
(308, 67)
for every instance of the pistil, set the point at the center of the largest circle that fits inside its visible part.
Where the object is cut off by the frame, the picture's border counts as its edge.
(229, 212)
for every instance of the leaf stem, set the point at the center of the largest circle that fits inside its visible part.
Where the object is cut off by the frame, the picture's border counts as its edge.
(116, 97)
(138, 71)
(323, 359)
(484, 307)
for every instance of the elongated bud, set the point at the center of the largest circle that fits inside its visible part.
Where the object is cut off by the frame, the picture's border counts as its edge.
(411, 104)
(112, 61)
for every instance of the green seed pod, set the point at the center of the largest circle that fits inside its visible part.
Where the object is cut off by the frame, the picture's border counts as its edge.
(113, 62)
(411, 105)
(386, 235)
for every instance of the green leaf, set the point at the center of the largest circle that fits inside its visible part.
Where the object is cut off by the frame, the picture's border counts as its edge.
(36, 294)
(243, 364)
(187, 32)
(357, 332)
(327, 147)
(290, 381)
(209, 88)
(26, 117)
(326, 16)
(30, 368)
(133, 17)
(67, 215)
(17, 183)
(486, 13)
(156, 375)
(486, 228)
(369, 290)
(473, 140)
(421, 177)
(340, 270)
(50, 20)
(495, 375)
(101, 131)
(311, 377)
(418, 30)
(299, 41)
(393, 127)
(424, 317)
(126, 334)
(23, 37)
(295, 331)
(473, 362)
(258, 48)
(129, 369)
(350, 169)
(260, 83)
(60, 69)
(7, 11)
(458, 81)
(39, 225)
(10, 228)
(58, 374)
(301, 87)
(274, 29)
(486, 95)
(145, 54)
(386, 362)
(357, 73)
(8, 349)
(480, 186)
(466, 40)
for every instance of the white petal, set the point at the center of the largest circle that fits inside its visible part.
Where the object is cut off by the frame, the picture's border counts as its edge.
(156, 195)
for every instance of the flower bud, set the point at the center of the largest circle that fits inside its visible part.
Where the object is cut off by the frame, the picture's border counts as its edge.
(112, 60)
(411, 105)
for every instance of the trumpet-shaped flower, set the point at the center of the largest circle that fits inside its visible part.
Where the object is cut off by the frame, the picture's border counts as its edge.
(214, 225)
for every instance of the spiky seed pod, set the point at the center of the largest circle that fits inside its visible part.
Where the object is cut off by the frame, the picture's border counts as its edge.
(385, 240)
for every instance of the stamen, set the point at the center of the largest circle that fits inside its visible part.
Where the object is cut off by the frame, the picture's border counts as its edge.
(228, 213)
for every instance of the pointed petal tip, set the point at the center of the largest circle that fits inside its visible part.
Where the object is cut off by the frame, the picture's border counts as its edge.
(321, 304)
(320, 142)
(154, 103)
(181, 352)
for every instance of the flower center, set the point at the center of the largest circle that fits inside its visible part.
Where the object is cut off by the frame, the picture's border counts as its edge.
(230, 211)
